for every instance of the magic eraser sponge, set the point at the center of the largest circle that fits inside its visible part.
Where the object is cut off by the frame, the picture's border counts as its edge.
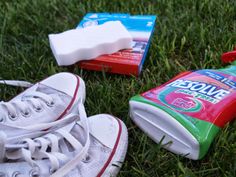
(90, 42)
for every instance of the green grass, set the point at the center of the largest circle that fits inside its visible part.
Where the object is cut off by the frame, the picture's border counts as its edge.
(189, 34)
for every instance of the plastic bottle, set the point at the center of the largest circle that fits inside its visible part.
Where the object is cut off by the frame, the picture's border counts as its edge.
(186, 113)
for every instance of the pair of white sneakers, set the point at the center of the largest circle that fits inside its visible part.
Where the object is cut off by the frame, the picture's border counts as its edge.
(44, 131)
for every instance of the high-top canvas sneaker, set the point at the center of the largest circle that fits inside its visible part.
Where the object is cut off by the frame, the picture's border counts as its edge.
(90, 147)
(43, 105)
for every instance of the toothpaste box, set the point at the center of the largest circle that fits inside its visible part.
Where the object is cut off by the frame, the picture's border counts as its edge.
(128, 61)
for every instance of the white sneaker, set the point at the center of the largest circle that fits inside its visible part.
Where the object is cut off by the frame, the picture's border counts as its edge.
(42, 105)
(94, 146)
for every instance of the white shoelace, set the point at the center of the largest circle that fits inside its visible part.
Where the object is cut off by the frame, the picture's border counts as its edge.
(17, 83)
(47, 146)
(32, 99)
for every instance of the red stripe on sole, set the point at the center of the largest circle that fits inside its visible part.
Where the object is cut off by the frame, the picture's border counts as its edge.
(113, 151)
(72, 101)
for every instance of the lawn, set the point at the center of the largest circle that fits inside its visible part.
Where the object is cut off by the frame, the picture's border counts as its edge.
(189, 35)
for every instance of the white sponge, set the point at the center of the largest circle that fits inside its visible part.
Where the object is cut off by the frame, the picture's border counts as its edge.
(87, 43)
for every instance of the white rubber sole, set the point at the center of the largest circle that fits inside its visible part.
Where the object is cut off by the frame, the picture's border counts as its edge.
(78, 92)
(81, 94)
(118, 158)
(78, 95)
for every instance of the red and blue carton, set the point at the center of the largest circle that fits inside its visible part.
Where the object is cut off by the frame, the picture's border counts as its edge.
(128, 61)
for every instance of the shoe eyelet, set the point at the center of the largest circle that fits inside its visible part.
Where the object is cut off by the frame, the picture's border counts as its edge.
(34, 173)
(15, 174)
(12, 116)
(50, 104)
(2, 119)
(87, 159)
(51, 171)
(26, 114)
(38, 109)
